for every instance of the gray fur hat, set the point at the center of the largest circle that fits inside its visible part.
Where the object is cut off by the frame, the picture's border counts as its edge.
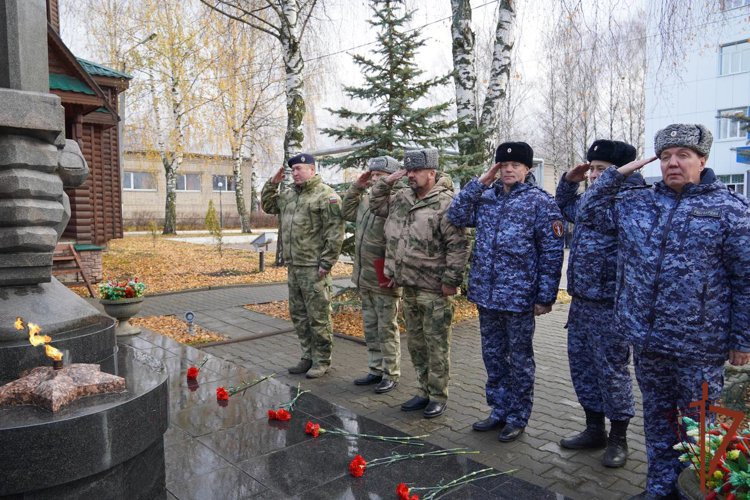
(423, 158)
(383, 164)
(684, 135)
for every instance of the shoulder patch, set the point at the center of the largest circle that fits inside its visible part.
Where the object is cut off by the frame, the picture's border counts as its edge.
(333, 199)
(706, 212)
(557, 228)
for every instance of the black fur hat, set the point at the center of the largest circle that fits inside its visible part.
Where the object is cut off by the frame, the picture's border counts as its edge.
(515, 151)
(616, 152)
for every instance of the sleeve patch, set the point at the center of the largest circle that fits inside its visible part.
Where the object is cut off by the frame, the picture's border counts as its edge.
(333, 199)
(557, 228)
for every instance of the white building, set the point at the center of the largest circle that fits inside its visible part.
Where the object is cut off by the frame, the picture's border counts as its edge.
(714, 80)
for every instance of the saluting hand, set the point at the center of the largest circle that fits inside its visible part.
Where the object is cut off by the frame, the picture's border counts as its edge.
(278, 176)
(631, 167)
(489, 176)
(362, 179)
(391, 179)
(578, 173)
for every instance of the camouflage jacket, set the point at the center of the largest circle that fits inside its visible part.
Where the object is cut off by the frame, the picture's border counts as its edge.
(518, 250)
(312, 229)
(592, 263)
(423, 249)
(683, 264)
(369, 239)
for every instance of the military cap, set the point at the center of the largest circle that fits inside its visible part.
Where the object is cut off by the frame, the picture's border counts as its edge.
(423, 158)
(684, 135)
(383, 164)
(515, 151)
(305, 158)
(616, 152)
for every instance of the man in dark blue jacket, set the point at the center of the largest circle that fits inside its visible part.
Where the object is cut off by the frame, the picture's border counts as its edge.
(598, 359)
(683, 284)
(515, 274)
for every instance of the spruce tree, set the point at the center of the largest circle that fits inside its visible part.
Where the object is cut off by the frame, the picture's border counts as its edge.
(392, 88)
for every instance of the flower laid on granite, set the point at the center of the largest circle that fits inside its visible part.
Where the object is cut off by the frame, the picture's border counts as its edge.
(118, 290)
(192, 372)
(223, 394)
(313, 429)
(286, 408)
(282, 415)
(316, 429)
(403, 491)
(732, 479)
(359, 464)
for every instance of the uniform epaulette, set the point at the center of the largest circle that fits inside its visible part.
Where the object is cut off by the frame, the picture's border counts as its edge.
(624, 189)
(740, 197)
(543, 191)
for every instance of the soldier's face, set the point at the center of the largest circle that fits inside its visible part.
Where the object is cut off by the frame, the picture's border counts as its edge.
(377, 175)
(302, 172)
(421, 178)
(512, 172)
(597, 168)
(680, 166)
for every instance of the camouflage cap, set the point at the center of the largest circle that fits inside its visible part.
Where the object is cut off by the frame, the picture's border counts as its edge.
(423, 158)
(687, 135)
(383, 164)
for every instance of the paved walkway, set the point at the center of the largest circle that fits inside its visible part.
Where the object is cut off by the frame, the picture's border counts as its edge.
(536, 455)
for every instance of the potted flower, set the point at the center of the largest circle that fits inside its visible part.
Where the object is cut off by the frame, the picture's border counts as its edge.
(732, 479)
(122, 300)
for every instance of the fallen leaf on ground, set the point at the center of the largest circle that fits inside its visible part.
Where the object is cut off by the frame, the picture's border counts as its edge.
(176, 329)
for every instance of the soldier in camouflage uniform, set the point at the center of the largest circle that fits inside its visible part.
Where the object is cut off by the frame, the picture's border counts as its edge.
(683, 284)
(427, 255)
(515, 274)
(598, 357)
(379, 302)
(312, 231)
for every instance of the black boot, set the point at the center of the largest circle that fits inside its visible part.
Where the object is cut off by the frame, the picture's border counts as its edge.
(594, 436)
(617, 450)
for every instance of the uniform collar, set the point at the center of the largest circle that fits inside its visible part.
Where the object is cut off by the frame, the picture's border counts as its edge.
(309, 184)
(707, 184)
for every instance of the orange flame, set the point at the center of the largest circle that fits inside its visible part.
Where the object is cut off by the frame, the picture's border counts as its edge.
(19, 324)
(53, 353)
(35, 338)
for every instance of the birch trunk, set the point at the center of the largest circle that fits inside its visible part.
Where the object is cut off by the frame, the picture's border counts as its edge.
(239, 181)
(170, 209)
(465, 77)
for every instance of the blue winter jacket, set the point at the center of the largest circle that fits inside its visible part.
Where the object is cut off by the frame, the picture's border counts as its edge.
(518, 250)
(592, 262)
(683, 264)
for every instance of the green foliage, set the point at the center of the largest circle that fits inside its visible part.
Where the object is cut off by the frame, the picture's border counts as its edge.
(213, 226)
(346, 297)
(392, 88)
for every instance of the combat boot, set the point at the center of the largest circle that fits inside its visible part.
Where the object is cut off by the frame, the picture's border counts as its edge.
(302, 367)
(593, 436)
(317, 371)
(617, 450)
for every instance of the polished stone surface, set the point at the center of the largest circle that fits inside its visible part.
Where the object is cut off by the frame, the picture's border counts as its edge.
(42, 449)
(234, 451)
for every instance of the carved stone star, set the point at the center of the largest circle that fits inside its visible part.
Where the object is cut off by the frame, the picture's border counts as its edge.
(53, 389)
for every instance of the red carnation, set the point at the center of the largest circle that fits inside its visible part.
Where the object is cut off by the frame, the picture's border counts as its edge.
(357, 466)
(403, 491)
(283, 415)
(711, 495)
(222, 394)
(192, 373)
(309, 428)
(272, 415)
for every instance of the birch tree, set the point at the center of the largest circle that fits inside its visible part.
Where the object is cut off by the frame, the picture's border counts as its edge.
(477, 121)
(247, 96)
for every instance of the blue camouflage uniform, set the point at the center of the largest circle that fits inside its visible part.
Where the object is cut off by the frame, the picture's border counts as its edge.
(516, 263)
(598, 359)
(682, 296)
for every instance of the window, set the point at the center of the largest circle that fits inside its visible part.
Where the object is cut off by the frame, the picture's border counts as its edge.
(138, 181)
(735, 182)
(735, 58)
(734, 4)
(728, 128)
(188, 182)
(227, 182)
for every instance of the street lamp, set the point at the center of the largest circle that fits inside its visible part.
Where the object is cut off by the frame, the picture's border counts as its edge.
(221, 210)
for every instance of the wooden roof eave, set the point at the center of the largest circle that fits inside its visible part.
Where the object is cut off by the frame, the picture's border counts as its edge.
(54, 39)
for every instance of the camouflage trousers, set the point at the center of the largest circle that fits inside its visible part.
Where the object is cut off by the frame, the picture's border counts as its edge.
(383, 338)
(310, 309)
(429, 317)
(669, 383)
(508, 353)
(599, 360)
